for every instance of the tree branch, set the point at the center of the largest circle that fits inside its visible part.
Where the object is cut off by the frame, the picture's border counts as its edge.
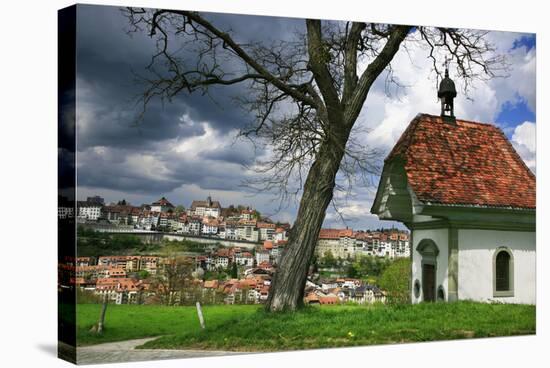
(229, 42)
(319, 57)
(350, 66)
(353, 108)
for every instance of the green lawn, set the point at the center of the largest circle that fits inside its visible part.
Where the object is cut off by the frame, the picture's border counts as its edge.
(249, 328)
(125, 322)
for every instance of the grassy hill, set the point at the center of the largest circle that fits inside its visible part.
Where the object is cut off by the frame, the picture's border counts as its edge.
(249, 328)
(94, 244)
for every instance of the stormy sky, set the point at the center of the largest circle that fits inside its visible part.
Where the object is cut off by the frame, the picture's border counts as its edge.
(188, 149)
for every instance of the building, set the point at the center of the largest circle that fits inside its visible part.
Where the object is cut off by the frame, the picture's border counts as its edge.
(262, 256)
(114, 272)
(222, 258)
(231, 230)
(126, 263)
(208, 208)
(149, 264)
(194, 226)
(469, 201)
(339, 242)
(244, 259)
(149, 220)
(92, 272)
(266, 230)
(247, 214)
(83, 261)
(210, 226)
(89, 210)
(163, 220)
(280, 234)
(172, 223)
(246, 230)
(135, 215)
(162, 205)
(119, 290)
(111, 213)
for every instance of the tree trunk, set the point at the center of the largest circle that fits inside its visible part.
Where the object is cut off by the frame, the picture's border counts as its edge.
(287, 288)
(101, 321)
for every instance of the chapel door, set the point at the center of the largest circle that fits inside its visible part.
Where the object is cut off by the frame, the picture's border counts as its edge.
(428, 282)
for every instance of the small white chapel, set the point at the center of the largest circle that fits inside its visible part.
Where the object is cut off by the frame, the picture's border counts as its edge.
(469, 201)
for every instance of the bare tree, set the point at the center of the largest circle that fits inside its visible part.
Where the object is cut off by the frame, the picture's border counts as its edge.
(306, 94)
(174, 278)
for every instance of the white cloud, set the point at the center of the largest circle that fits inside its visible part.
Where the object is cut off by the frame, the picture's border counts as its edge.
(524, 141)
(520, 84)
(386, 117)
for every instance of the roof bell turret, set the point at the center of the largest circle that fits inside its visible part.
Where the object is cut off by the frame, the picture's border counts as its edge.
(446, 94)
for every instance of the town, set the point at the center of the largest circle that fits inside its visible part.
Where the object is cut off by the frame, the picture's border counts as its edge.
(345, 269)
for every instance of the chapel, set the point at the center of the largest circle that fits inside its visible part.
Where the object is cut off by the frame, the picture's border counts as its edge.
(469, 201)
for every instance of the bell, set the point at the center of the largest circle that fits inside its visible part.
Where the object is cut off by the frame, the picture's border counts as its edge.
(446, 94)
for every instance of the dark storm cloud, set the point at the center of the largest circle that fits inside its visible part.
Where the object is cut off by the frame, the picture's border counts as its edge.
(153, 172)
(111, 138)
(108, 125)
(231, 153)
(108, 59)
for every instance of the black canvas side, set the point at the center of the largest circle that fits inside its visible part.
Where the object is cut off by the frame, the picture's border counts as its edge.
(66, 245)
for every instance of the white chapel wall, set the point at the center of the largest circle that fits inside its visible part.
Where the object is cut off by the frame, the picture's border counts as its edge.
(475, 263)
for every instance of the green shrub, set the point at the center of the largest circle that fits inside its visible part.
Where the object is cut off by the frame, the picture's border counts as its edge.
(395, 281)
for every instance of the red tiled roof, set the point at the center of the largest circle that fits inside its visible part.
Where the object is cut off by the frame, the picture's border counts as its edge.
(328, 299)
(163, 202)
(265, 225)
(469, 163)
(264, 265)
(210, 222)
(311, 297)
(205, 204)
(335, 233)
(211, 284)
(247, 222)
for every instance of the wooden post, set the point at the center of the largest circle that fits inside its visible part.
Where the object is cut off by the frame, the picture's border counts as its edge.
(199, 312)
(102, 315)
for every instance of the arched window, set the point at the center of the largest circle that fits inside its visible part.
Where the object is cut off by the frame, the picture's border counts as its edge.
(503, 273)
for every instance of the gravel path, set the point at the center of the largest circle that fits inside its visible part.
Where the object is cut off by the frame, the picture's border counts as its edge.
(125, 351)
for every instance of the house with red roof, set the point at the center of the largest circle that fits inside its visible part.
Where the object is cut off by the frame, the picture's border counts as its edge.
(120, 290)
(470, 203)
(244, 259)
(162, 205)
(210, 226)
(208, 208)
(339, 242)
(280, 234)
(266, 230)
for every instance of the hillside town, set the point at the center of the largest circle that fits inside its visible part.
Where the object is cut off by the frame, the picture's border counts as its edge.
(207, 218)
(219, 274)
(120, 280)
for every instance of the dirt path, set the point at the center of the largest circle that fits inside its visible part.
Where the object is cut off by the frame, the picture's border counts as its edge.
(125, 351)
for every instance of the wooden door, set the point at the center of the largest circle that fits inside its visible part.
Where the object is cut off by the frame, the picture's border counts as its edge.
(428, 282)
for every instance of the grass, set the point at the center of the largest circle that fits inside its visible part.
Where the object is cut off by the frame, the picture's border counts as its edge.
(249, 328)
(126, 322)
